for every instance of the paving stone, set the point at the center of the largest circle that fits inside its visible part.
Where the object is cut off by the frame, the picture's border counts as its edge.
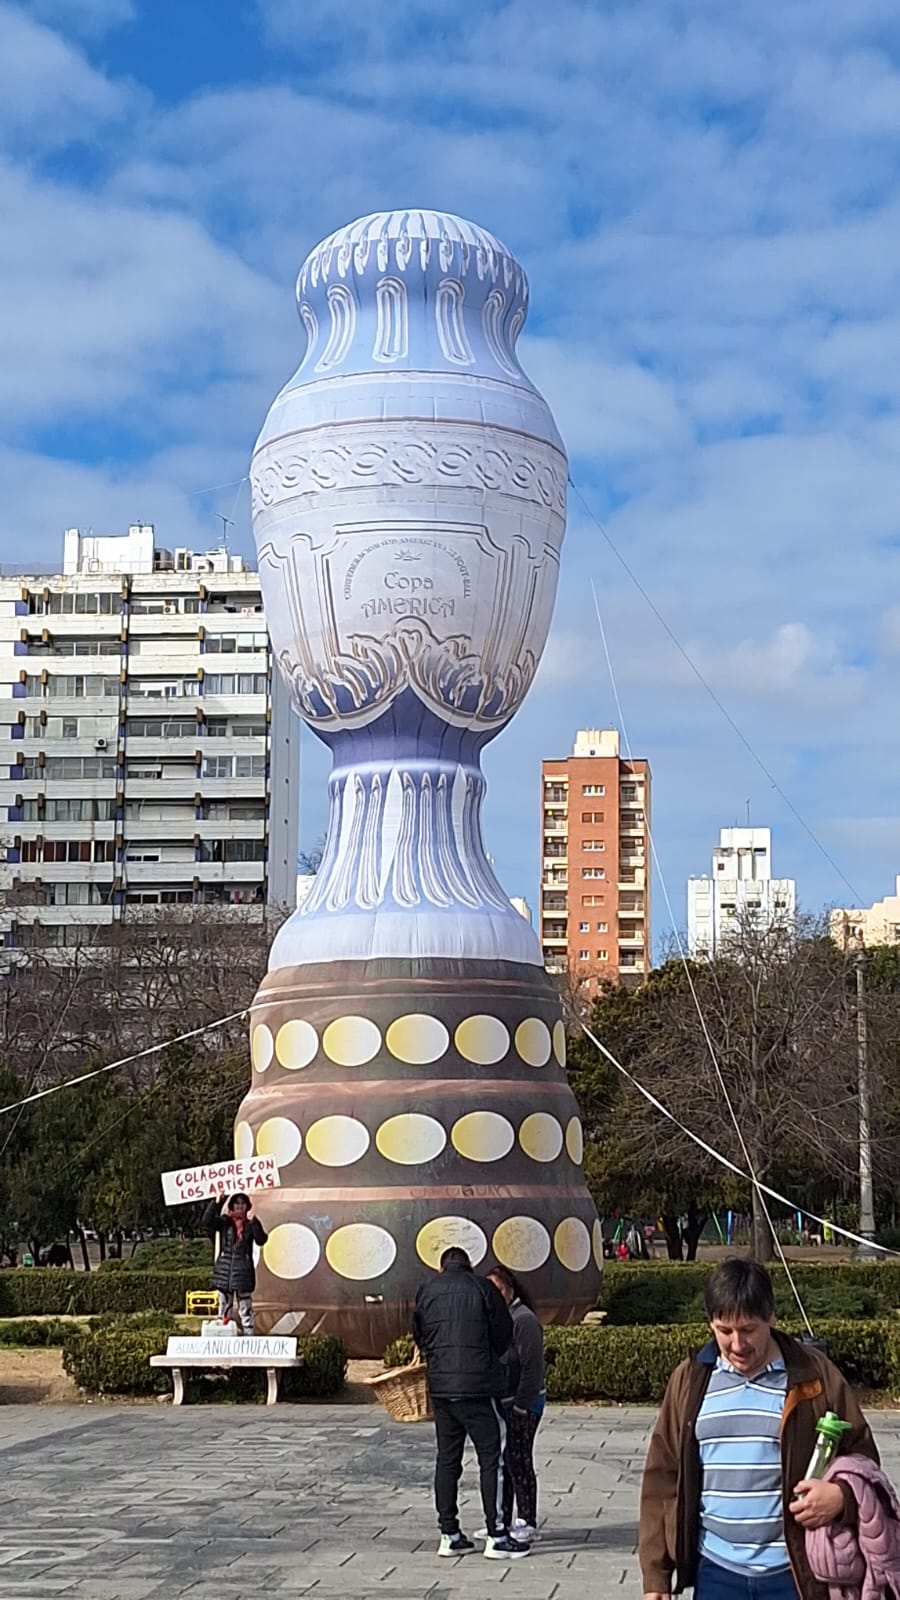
(329, 1502)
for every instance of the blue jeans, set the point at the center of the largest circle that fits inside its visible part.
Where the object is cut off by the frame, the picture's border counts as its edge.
(717, 1583)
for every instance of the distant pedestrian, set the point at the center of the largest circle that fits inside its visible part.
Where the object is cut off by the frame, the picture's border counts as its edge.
(524, 1399)
(462, 1328)
(725, 1503)
(234, 1270)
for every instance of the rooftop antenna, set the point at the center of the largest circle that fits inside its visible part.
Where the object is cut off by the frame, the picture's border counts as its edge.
(748, 813)
(227, 523)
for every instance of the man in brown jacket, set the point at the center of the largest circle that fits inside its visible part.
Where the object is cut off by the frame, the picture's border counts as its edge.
(724, 1501)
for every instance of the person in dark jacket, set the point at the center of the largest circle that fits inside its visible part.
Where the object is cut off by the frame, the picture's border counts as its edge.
(524, 1398)
(234, 1272)
(462, 1328)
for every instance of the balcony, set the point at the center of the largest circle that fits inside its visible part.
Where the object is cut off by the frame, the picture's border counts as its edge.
(176, 624)
(555, 830)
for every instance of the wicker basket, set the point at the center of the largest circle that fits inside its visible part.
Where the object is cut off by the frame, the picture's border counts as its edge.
(404, 1392)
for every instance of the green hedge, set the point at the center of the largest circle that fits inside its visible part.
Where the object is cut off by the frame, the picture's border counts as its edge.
(166, 1255)
(47, 1332)
(59, 1292)
(112, 1356)
(646, 1293)
(635, 1363)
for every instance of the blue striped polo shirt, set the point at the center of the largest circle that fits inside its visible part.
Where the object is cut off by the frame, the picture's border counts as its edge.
(738, 1430)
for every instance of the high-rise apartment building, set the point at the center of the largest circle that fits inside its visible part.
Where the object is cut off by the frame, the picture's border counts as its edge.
(595, 876)
(741, 886)
(152, 751)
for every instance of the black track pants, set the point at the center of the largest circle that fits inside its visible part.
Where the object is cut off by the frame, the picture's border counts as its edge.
(482, 1422)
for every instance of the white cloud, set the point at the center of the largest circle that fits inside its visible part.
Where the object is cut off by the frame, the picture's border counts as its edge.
(49, 92)
(91, 18)
(707, 204)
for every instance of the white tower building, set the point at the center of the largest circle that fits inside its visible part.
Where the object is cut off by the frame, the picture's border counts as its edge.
(741, 884)
(152, 752)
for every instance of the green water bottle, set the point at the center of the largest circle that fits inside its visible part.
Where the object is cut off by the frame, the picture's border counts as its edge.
(829, 1432)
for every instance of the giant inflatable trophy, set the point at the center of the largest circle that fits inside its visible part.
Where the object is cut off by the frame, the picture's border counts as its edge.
(409, 504)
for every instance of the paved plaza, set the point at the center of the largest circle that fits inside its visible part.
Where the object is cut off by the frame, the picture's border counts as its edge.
(229, 1502)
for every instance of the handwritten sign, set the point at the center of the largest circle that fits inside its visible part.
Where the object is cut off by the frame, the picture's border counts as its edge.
(220, 1177)
(258, 1348)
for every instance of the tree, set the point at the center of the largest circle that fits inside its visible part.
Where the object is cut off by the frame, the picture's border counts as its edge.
(760, 1040)
(91, 1155)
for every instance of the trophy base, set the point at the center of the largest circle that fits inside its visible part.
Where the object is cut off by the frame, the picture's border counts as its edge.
(411, 1106)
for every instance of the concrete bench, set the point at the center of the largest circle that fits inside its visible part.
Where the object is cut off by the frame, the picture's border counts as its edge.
(271, 1355)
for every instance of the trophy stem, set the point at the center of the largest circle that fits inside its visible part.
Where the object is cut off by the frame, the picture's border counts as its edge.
(405, 834)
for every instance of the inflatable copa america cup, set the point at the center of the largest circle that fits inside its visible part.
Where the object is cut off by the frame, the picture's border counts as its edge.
(409, 505)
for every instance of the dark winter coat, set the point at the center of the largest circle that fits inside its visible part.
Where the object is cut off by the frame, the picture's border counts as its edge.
(462, 1328)
(234, 1272)
(523, 1364)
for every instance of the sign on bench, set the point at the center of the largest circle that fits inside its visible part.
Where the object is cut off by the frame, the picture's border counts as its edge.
(237, 1351)
(271, 1352)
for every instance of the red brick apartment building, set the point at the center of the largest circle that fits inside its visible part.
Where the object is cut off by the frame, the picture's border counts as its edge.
(595, 863)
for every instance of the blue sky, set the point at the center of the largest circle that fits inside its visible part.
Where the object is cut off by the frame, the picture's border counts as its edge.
(707, 202)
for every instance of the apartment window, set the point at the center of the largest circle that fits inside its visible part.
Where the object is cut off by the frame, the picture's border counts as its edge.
(75, 894)
(593, 788)
(80, 647)
(72, 604)
(68, 767)
(152, 688)
(70, 727)
(74, 850)
(234, 811)
(583, 955)
(628, 791)
(156, 728)
(69, 811)
(584, 927)
(234, 766)
(235, 683)
(245, 850)
(602, 955)
(584, 983)
(73, 686)
(592, 816)
(602, 927)
(593, 872)
(240, 643)
(593, 899)
(593, 844)
(159, 897)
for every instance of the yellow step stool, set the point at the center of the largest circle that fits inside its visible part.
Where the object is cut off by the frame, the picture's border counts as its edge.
(201, 1303)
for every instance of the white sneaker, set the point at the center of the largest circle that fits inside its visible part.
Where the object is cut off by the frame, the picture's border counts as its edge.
(524, 1532)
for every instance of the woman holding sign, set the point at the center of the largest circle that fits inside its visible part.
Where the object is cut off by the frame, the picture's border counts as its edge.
(234, 1273)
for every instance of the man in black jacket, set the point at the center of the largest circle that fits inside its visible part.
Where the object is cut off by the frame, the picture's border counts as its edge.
(234, 1272)
(462, 1327)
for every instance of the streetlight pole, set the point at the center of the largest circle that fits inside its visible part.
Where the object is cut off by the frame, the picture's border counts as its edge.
(866, 1205)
